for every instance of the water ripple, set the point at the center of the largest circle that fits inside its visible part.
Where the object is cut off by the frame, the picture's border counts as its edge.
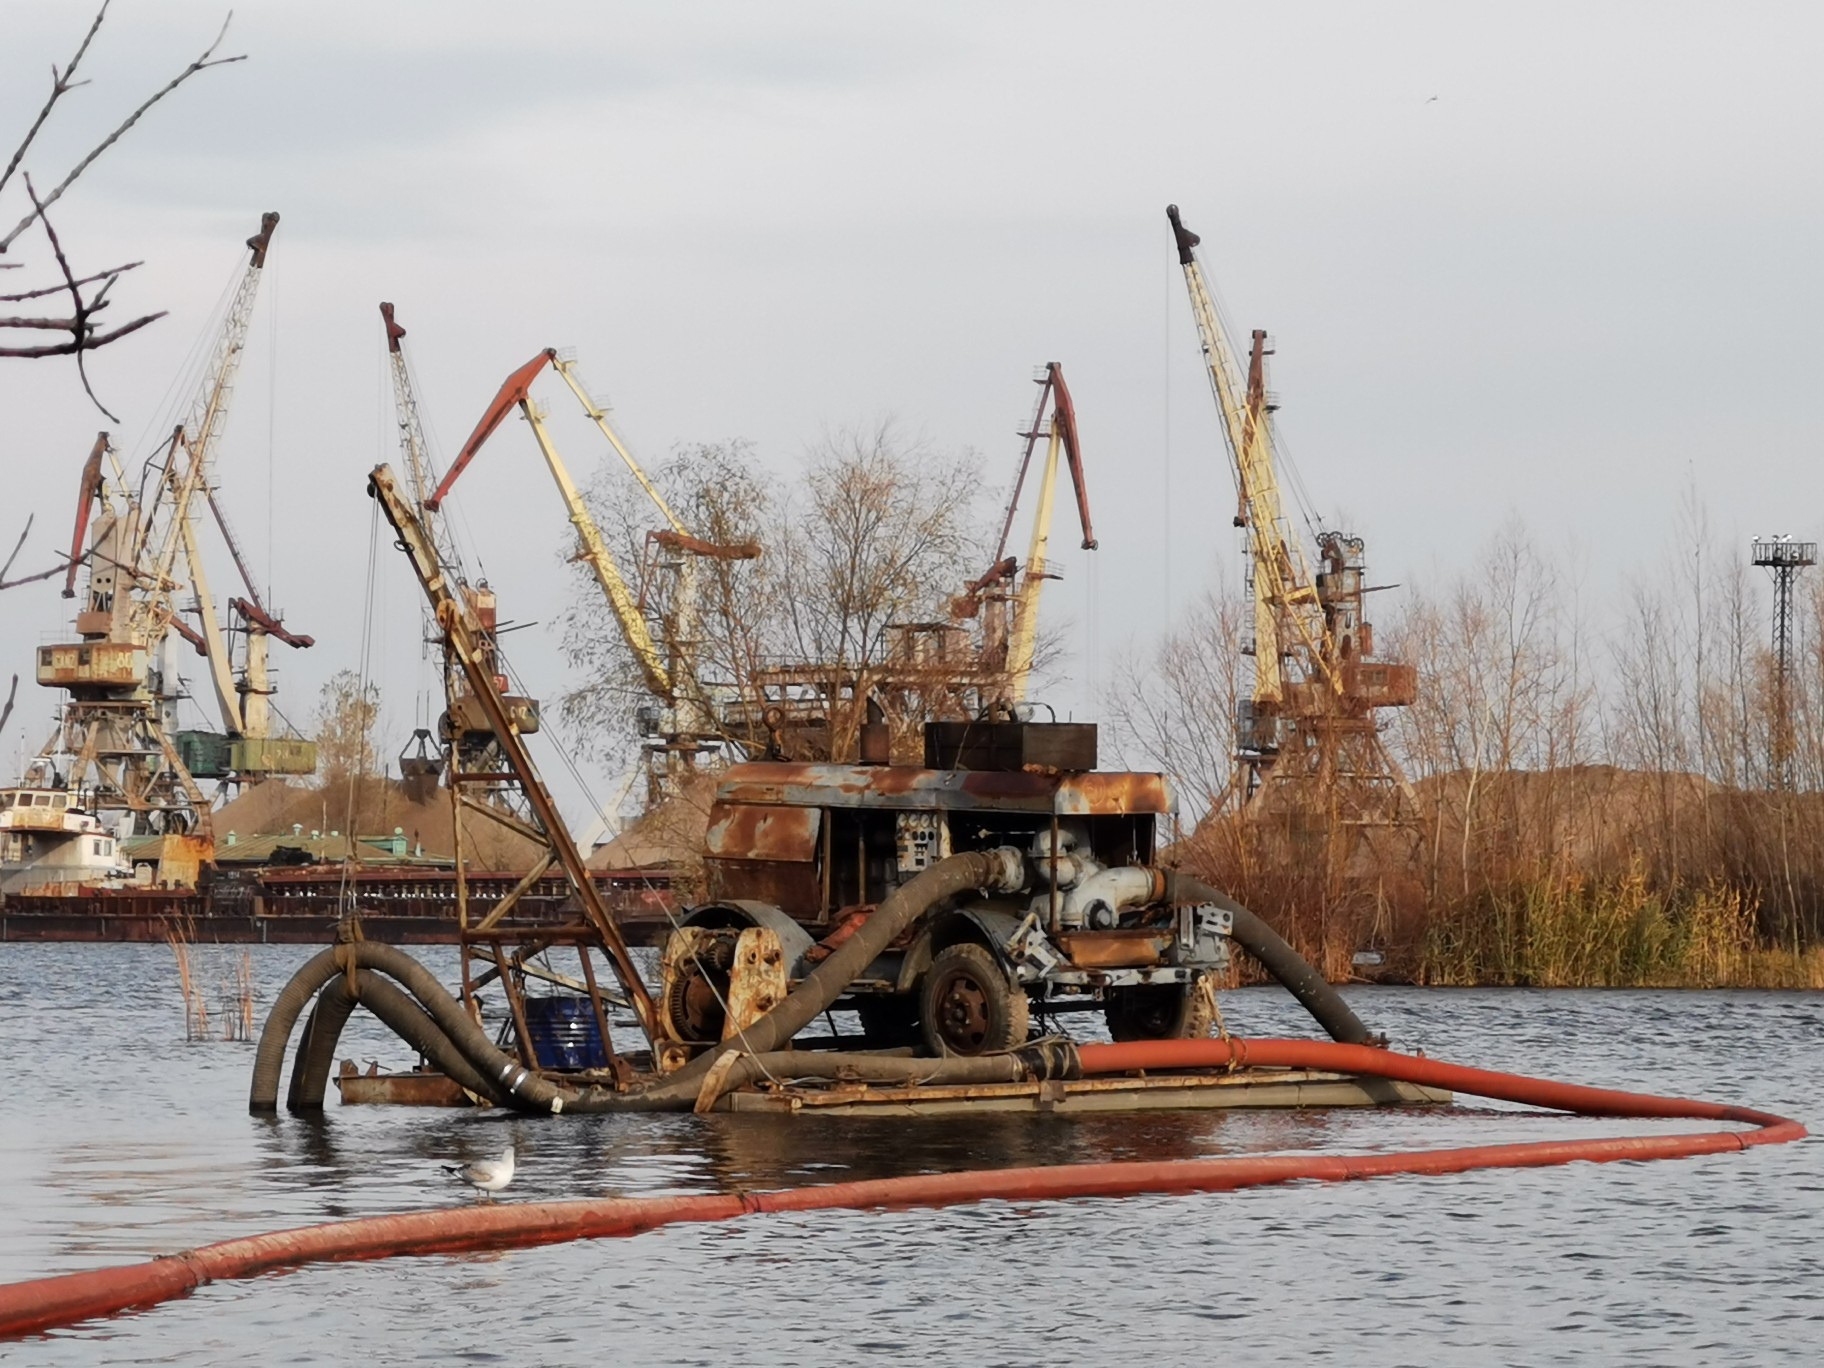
(120, 1140)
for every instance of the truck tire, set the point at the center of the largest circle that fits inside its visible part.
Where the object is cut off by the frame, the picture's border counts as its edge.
(1164, 1011)
(969, 1005)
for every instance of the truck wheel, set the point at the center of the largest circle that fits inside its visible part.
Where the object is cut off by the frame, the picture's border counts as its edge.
(1162, 1011)
(969, 1005)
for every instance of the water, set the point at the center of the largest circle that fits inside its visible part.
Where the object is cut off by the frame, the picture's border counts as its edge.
(119, 1140)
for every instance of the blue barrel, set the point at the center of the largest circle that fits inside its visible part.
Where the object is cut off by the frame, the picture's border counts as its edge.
(565, 1033)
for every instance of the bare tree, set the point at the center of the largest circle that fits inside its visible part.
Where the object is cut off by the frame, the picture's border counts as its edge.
(877, 533)
(88, 292)
(720, 494)
(1176, 711)
(347, 710)
(882, 532)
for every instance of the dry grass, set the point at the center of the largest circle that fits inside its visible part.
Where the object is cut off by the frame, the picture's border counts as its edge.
(196, 1004)
(237, 998)
(234, 988)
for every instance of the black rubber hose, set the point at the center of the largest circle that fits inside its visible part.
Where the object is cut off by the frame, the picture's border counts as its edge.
(454, 1023)
(407, 1020)
(1285, 964)
(275, 1035)
(316, 1054)
(508, 1079)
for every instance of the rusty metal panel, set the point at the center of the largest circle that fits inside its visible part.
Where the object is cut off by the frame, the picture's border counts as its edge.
(1381, 684)
(743, 831)
(756, 984)
(116, 664)
(909, 788)
(181, 858)
(792, 886)
(1115, 791)
(1115, 949)
(420, 1088)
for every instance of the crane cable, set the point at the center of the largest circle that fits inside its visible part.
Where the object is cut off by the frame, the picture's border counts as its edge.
(344, 895)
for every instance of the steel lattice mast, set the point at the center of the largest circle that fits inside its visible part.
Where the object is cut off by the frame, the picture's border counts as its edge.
(1783, 558)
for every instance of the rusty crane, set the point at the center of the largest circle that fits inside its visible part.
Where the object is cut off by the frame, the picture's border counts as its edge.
(1307, 738)
(666, 661)
(118, 737)
(1005, 599)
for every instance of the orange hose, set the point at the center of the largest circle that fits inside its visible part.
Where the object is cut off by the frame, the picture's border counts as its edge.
(48, 1302)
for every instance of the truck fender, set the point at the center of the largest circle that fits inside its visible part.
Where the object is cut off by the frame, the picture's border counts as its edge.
(982, 925)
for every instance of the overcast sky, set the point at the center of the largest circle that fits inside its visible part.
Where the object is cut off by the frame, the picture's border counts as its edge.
(1557, 263)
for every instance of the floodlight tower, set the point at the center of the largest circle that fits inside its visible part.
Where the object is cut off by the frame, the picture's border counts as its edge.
(1783, 558)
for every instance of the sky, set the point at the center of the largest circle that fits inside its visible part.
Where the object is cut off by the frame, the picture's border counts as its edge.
(1553, 263)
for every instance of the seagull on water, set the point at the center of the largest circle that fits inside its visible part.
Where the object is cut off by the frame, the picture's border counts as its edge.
(485, 1175)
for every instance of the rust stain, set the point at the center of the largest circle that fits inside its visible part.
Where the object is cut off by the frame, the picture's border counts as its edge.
(1115, 949)
(911, 786)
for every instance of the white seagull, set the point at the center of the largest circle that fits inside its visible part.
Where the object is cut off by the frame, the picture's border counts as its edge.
(485, 1175)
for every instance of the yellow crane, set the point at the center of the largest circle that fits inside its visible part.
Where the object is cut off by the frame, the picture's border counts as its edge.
(464, 725)
(1010, 620)
(669, 670)
(1311, 717)
(119, 727)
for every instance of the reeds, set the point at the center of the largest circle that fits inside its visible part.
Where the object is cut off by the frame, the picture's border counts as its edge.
(1588, 809)
(196, 1004)
(237, 998)
(234, 988)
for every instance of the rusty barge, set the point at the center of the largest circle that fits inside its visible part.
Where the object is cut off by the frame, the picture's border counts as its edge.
(302, 905)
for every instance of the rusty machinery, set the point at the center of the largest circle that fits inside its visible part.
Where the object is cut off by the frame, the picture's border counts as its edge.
(1307, 737)
(118, 729)
(798, 856)
(506, 945)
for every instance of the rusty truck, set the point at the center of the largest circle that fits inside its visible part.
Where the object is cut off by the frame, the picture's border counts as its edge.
(799, 855)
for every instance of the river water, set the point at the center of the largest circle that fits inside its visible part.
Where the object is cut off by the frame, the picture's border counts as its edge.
(119, 1140)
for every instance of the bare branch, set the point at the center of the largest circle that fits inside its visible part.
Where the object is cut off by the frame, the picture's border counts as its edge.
(49, 324)
(202, 63)
(7, 712)
(108, 275)
(79, 325)
(71, 348)
(53, 572)
(18, 547)
(5, 583)
(60, 84)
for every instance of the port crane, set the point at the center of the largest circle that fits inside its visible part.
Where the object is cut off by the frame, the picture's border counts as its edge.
(1307, 738)
(668, 668)
(118, 726)
(938, 670)
(1009, 615)
(464, 726)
